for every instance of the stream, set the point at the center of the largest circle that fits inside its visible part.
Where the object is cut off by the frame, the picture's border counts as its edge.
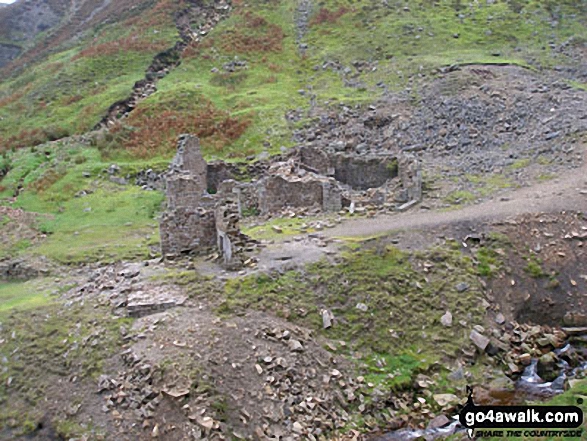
(528, 387)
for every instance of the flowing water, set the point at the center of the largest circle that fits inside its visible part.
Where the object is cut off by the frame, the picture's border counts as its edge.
(528, 387)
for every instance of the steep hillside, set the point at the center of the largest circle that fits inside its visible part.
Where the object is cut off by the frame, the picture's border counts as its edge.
(65, 81)
(409, 178)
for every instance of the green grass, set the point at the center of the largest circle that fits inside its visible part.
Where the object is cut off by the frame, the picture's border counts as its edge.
(288, 227)
(534, 268)
(520, 164)
(61, 94)
(400, 334)
(393, 373)
(577, 85)
(460, 197)
(23, 295)
(111, 223)
(119, 226)
(387, 282)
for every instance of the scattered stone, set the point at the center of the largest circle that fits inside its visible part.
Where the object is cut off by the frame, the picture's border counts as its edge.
(547, 368)
(479, 340)
(445, 399)
(327, 319)
(362, 307)
(446, 319)
(295, 345)
(438, 422)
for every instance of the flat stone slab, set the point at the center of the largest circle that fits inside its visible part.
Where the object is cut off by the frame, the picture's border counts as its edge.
(575, 330)
(141, 303)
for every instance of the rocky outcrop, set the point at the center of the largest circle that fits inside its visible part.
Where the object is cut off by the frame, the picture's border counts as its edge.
(8, 52)
(21, 269)
(21, 22)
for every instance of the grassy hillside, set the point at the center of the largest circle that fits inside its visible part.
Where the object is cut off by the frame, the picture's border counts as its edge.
(233, 89)
(70, 89)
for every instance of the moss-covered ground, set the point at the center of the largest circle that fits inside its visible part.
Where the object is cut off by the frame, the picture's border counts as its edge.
(42, 345)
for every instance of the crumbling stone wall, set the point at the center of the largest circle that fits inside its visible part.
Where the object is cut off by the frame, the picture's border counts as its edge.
(363, 172)
(231, 241)
(360, 172)
(187, 230)
(245, 194)
(196, 221)
(217, 173)
(277, 192)
(315, 160)
(410, 174)
(186, 180)
(188, 225)
(331, 196)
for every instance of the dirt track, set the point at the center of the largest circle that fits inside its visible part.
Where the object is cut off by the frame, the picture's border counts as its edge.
(568, 192)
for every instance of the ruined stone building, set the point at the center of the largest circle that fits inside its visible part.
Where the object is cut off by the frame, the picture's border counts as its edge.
(205, 202)
(196, 221)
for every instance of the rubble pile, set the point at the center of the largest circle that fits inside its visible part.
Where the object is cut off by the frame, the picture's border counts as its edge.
(121, 288)
(284, 386)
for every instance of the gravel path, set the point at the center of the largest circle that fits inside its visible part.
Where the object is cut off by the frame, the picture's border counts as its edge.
(569, 192)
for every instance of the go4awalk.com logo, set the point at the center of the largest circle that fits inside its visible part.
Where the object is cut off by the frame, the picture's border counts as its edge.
(521, 421)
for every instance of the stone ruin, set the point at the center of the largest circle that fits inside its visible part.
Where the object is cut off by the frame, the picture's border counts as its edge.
(196, 221)
(205, 201)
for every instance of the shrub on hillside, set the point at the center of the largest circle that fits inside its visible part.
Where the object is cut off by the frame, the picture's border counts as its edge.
(33, 137)
(254, 34)
(328, 16)
(132, 43)
(146, 134)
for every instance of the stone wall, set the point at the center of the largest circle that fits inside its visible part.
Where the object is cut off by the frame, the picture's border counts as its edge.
(317, 161)
(218, 172)
(188, 225)
(278, 191)
(196, 221)
(189, 159)
(231, 241)
(186, 180)
(410, 174)
(363, 172)
(187, 230)
(360, 172)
